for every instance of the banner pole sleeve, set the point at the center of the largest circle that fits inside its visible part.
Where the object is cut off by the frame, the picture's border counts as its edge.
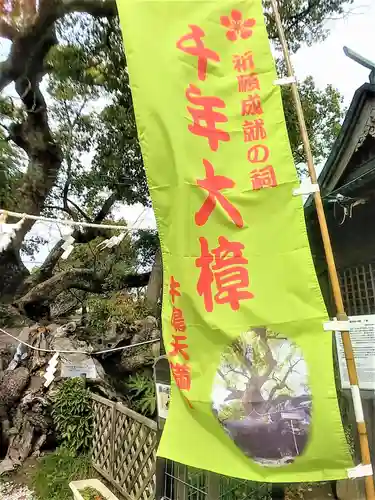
(335, 284)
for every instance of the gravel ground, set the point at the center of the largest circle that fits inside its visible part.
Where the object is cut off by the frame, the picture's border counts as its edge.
(10, 491)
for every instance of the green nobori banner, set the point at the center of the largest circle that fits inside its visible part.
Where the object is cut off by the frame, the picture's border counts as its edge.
(253, 391)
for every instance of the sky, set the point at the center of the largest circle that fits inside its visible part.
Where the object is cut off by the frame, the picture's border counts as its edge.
(326, 62)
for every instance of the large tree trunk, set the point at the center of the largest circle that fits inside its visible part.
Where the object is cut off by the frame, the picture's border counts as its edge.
(35, 304)
(46, 292)
(25, 67)
(155, 284)
(12, 272)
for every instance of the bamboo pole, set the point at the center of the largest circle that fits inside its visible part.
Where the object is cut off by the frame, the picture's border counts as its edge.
(335, 284)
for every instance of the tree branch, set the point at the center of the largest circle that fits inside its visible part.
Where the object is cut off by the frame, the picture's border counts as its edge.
(46, 270)
(155, 284)
(46, 292)
(237, 372)
(282, 383)
(92, 233)
(79, 209)
(239, 352)
(135, 280)
(68, 156)
(294, 20)
(65, 193)
(68, 210)
(86, 280)
(268, 357)
(106, 208)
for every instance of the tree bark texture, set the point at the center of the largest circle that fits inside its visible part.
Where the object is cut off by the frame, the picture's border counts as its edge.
(26, 67)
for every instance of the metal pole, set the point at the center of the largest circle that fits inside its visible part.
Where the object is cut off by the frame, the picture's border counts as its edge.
(335, 284)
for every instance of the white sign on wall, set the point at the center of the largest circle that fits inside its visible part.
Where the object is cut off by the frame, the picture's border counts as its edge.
(163, 394)
(362, 334)
(70, 370)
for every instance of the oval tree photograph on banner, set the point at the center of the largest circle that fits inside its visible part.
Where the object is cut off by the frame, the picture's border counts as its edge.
(261, 397)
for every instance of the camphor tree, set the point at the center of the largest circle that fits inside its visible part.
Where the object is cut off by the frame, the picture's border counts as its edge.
(256, 372)
(66, 56)
(261, 395)
(69, 148)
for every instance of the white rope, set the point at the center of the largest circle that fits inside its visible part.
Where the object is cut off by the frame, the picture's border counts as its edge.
(89, 353)
(65, 222)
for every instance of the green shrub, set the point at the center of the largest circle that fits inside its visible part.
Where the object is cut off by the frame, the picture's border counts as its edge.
(72, 415)
(142, 394)
(120, 310)
(55, 471)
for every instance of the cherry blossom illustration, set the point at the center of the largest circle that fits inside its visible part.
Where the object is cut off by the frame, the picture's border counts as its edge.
(237, 26)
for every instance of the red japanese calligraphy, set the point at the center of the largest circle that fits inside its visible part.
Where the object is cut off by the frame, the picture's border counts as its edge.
(182, 376)
(178, 320)
(252, 106)
(214, 184)
(206, 277)
(254, 130)
(179, 347)
(242, 63)
(226, 266)
(263, 178)
(198, 49)
(207, 116)
(247, 83)
(258, 154)
(173, 289)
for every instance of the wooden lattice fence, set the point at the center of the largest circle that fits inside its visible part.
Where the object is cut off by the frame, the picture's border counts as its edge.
(358, 289)
(124, 449)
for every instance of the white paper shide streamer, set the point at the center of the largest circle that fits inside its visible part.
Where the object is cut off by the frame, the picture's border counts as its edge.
(67, 246)
(111, 242)
(8, 232)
